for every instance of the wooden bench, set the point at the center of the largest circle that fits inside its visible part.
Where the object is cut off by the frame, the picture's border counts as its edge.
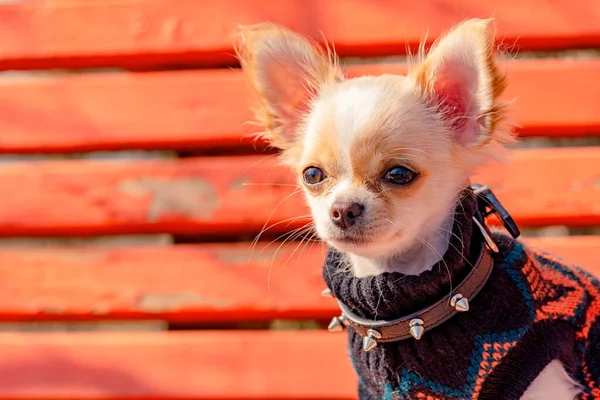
(176, 208)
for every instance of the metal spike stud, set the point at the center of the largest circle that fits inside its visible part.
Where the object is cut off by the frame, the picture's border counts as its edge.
(416, 328)
(336, 324)
(327, 293)
(370, 341)
(459, 303)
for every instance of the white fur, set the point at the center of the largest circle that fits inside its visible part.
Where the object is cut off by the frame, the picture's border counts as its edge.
(360, 102)
(411, 233)
(553, 383)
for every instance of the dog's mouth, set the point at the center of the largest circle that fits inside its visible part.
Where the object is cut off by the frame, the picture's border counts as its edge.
(373, 243)
(348, 241)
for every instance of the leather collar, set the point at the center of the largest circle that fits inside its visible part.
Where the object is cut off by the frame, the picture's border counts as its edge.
(414, 325)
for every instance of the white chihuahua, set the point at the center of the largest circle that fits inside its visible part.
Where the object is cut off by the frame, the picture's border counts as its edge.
(384, 162)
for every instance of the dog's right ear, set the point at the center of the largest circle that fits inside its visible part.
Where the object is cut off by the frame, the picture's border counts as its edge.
(286, 72)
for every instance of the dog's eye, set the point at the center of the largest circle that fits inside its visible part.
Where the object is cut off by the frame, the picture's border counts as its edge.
(400, 176)
(313, 175)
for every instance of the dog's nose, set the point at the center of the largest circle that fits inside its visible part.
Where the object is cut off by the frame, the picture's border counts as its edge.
(344, 214)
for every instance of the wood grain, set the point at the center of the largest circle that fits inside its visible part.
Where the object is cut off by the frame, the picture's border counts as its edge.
(216, 196)
(146, 34)
(210, 110)
(189, 283)
(176, 365)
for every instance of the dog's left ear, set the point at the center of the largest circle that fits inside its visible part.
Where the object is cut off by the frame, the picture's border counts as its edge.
(460, 78)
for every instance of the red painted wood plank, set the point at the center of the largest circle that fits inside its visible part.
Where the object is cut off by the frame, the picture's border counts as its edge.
(209, 109)
(235, 195)
(149, 33)
(176, 365)
(182, 283)
(189, 283)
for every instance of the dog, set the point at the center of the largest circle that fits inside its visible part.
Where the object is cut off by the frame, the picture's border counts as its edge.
(435, 304)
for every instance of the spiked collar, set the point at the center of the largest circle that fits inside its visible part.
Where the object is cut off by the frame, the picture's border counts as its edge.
(371, 305)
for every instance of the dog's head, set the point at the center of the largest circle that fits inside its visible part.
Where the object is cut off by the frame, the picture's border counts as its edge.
(381, 159)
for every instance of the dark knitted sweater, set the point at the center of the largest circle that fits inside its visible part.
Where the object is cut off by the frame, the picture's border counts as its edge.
(533, 309)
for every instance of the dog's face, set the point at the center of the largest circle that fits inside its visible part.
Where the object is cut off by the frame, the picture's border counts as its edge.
(381, 159)
(374, 164)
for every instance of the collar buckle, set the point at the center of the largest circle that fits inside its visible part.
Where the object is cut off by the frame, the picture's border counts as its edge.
(487, 204)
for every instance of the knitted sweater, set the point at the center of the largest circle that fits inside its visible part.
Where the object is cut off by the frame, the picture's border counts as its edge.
(533, 309)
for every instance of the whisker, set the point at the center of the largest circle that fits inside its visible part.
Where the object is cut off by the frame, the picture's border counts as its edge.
(283, 236)
(394, 149)
(296, 249)
(271, 216)
(261, 160)
(300, 231)
(294, 235)
(312, 240)
(437, 253)
(268, 184)
(288, 220)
